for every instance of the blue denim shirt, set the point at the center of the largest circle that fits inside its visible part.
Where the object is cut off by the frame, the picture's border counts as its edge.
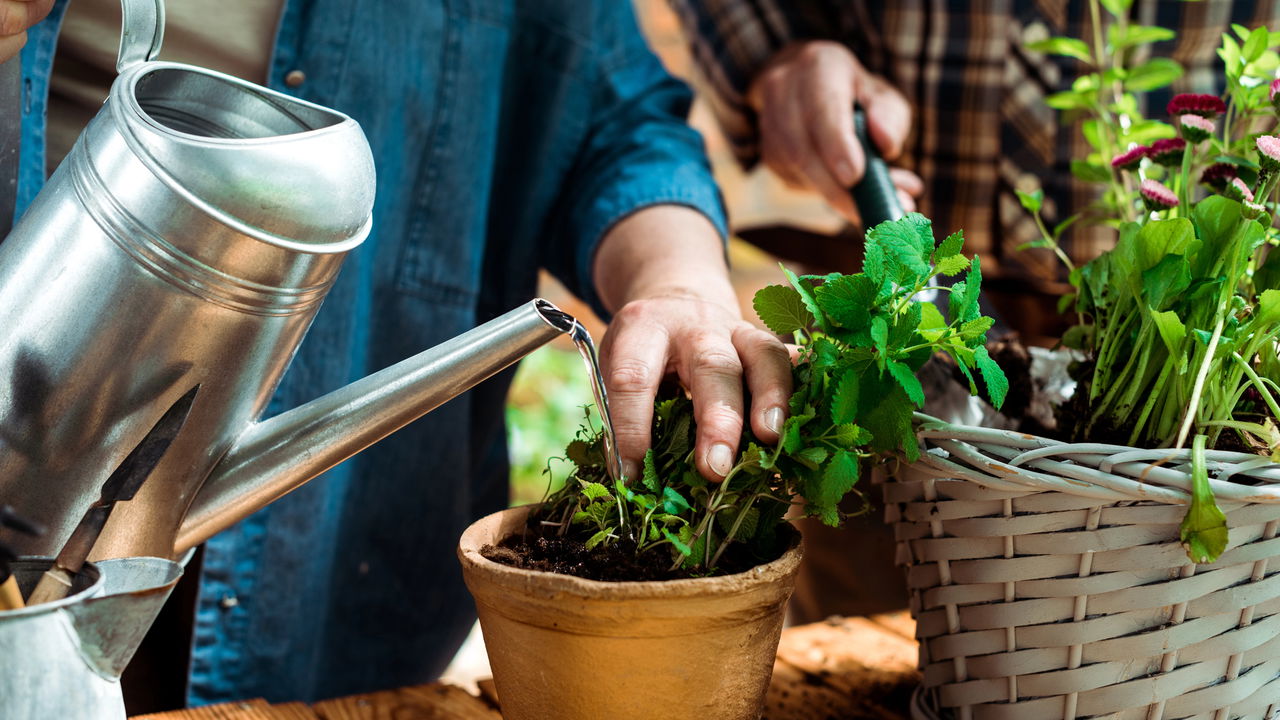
(508, 135)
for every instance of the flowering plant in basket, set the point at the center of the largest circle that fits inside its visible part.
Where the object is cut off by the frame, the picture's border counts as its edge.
(1178, 322)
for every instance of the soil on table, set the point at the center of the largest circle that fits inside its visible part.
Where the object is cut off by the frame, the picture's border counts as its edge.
(617, 562)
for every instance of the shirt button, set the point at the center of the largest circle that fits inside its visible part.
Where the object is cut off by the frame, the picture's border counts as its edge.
(294, 78)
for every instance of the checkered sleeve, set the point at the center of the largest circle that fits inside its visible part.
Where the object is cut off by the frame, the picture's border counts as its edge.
(731, 40)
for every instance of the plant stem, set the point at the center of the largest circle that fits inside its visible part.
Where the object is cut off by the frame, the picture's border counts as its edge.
(1198, 388)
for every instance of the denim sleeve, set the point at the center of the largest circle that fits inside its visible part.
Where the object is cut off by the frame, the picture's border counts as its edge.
(638, 151)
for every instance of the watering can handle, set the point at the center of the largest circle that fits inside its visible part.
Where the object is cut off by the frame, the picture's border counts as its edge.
(141, 32)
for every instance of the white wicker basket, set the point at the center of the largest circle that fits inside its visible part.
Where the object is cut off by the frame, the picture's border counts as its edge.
(1047, 580)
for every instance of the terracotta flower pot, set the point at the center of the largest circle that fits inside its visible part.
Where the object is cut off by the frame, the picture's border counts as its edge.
(572, 649)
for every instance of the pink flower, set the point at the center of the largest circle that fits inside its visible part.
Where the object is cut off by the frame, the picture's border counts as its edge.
(1275, 88)
(1195, 128)
(1208, 106)
(1168, 152)
(1238, 190)
(1269, 152)
(1157, 196)
(1218, 175)
(1131, 159)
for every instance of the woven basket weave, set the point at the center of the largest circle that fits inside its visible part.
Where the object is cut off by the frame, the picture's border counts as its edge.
(1047, 580)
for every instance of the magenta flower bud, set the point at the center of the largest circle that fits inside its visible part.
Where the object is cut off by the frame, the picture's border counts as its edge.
(1157, 196)
(1218, 175)
(1238, 190)
(1168, 152)
(1131, 159)
(1269, 152)
(1275, 89)
(1207, 106)
(1194, 128)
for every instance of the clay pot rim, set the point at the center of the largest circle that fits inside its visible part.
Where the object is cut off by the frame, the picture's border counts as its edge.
(469, 555)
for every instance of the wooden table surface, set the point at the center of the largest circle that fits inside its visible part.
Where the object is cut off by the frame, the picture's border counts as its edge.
(841, 669)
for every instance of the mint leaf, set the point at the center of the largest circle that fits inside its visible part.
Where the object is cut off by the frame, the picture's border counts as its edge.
(885, 411)
(907, 379)
(781, 309)
(844, 403)
(976, 329)
(1204, 528)
(850, 435)
(838, 478)
(599, 537)
(997, 383)
(950, 247)
(953, 265)
(901, 248)
(964, 295)
(805, 288)
(679, 544)
(673, 503)
(848, 300)
(595, 491)
(650, 474)
(880, 338)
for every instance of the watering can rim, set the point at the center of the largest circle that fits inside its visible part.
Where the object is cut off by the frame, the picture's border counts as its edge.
(129, 113)
(72, 599)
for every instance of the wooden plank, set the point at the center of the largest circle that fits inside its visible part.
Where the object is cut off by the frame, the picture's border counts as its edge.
(842, 668)
(244, 710)
(422, 702)
(899, 622)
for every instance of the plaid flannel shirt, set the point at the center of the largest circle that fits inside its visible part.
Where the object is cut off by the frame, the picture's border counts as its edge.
(981, 125)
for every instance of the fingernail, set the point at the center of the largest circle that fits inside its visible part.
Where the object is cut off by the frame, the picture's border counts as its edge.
(720, 459)
(773, 419)
(629, 470)
(844, 173)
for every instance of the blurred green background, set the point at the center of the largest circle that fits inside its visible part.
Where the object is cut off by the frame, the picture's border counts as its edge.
(544, 410)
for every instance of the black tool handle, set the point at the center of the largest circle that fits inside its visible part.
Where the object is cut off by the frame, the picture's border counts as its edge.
(875, 194)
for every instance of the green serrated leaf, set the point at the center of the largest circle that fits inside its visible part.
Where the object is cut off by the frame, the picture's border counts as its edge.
(907, 379)
(932, 324)
(838, 478)
(993, 376)
(781, 309)
(673, 502)
(844, 402)
(599, 537)
(677, 542)
(953, 265)
(963, 305)
(976, 329)
(950, 247)
(899, 250)
(595, 491)
(849, 436)
(847, 300)
(649, 477)
(880, 339)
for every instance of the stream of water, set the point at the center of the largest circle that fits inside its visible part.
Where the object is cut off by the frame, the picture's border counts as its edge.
(587, 348)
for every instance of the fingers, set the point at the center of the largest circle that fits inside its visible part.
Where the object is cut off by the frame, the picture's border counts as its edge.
(767, 364)
(888, 113)
(909, 187)
(633, 359)
(710, 367)
(10, 45)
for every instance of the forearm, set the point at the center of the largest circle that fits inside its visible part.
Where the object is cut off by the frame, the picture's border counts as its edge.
(663, 251)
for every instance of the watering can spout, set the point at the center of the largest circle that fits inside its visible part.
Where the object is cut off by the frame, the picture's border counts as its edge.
(275, 456)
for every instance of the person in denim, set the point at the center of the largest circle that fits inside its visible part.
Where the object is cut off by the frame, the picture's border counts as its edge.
(509, 135)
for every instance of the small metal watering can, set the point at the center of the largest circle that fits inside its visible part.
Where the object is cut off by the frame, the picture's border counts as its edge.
(189, 237)
(63, 659)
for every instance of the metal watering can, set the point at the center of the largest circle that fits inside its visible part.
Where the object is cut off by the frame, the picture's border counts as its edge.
(189, 237)
(63, 659)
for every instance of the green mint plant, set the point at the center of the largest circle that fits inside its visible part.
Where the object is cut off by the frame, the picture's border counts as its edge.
(861, 340)
(1179, 321)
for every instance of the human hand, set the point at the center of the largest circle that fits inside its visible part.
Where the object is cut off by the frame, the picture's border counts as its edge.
(663, 270)
(15, 17)
(804, 99)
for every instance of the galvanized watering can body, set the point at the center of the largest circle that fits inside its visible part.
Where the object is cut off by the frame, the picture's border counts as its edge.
(189, 237)
(63, 659)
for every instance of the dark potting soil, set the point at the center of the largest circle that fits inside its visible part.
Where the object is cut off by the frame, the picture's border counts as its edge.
(614, 563)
